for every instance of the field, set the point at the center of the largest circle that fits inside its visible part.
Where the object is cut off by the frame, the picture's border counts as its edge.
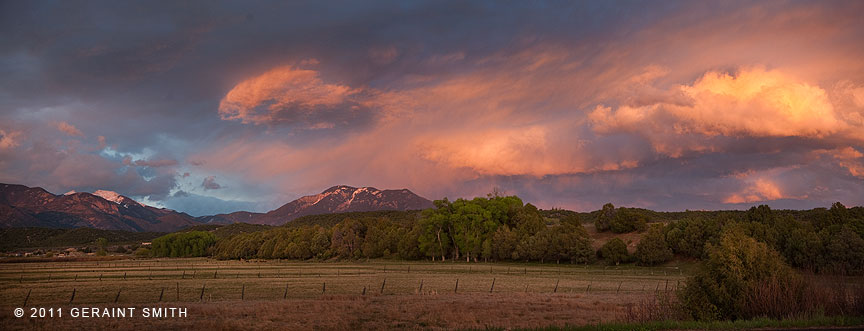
(298, 295)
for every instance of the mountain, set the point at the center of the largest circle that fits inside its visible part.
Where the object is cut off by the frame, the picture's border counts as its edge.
(235, 217)
(22, 206)
(342, 198)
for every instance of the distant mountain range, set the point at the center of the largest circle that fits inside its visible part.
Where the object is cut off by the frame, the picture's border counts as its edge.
(22, 206)
(337, 199)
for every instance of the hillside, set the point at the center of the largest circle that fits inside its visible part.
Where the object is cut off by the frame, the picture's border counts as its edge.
(28, 238)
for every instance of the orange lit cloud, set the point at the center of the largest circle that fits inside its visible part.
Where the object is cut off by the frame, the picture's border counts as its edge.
(282, 94)
(757, 191)
(69, 129)
(849, 158)
(754, 102)
(9, 139)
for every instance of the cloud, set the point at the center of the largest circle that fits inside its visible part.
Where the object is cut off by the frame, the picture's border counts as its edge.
(286, 94)
(383, 55)
(848, 158)
(149, 163)
(9, 139)
(569, 106)
(210, 183)
(69, 129)
(754, 102)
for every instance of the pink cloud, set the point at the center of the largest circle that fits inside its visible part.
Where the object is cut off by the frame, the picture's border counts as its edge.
(9, 139)
(283, 93)
(69, 129)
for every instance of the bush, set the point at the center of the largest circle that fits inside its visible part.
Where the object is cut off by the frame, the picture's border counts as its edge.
(734, 270)
(653, 248)
(142, 252)
(614, 251)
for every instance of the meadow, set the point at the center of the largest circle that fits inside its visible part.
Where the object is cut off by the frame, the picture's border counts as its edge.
(370, 294)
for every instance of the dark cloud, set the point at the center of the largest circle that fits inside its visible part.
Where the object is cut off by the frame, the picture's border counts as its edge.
(210, 183)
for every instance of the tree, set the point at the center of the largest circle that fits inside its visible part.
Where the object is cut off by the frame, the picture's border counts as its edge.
(605, 218)
(652, 249)
(614, 251)
(734, 269)
(628, 221)
(101, 243)
(504, 243)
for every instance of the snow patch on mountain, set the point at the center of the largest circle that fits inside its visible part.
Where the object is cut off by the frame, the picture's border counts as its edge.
(116, 198)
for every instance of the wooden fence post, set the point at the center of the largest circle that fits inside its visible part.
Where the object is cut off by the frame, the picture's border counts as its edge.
(456, 289)
(556, 286)
(243, 292)
(421, 287)
(382, 285)
(202, 291)
(161, 294)
(117, 298)
(178, 291)
(73, 295)
(27, 298)
(493, 285)
(619, 288)
(285, 295)
(324, 288)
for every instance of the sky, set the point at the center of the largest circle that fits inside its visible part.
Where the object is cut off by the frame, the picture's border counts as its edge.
(210, 107)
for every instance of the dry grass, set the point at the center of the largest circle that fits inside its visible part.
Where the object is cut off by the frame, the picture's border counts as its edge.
(288, 295)
(447, 311)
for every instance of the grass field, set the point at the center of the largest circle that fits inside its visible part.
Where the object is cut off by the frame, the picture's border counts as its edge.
(372, 294)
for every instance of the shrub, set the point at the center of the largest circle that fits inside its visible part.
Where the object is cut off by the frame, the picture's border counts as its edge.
(614, 251)
(653, 249)
(734, 270)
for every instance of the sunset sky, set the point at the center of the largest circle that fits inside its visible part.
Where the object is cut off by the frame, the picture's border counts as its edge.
(209, 107)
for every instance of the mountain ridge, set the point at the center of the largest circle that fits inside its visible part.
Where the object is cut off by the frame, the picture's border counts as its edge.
(22, 206)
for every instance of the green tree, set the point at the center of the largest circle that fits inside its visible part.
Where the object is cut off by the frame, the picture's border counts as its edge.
(504, 243)
(653, 249)
(734, 269)
(614, 251)
(101, 243)
(604, 219)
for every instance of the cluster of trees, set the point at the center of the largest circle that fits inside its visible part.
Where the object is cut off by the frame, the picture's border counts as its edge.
(825, 240)
(183, 244)
(492, 228)
(500, 228)
(367, 237)
(621, 220)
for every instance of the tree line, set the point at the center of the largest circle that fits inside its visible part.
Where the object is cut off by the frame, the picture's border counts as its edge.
(497, 228)
(503, 228)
